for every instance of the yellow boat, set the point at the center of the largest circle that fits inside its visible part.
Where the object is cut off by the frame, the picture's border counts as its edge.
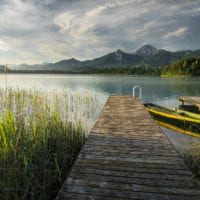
(177, 129)
(175, 119)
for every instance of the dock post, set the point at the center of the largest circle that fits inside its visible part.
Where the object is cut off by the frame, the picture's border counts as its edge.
(181, 102)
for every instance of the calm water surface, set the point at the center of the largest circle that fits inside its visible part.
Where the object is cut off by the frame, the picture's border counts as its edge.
(163, 91)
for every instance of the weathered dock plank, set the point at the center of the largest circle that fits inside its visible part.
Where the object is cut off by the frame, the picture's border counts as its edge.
(127, 156)
(189, 99)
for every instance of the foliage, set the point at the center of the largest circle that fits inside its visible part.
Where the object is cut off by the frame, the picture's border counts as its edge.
(142, 70)
(192, 158)
(40, 136)
(185, 67)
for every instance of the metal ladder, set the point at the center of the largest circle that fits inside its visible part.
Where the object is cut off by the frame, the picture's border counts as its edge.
(140, 92)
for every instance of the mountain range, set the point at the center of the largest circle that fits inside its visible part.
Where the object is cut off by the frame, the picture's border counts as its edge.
(147, 55)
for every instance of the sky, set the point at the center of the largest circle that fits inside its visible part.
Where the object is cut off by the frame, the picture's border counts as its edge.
(36, 31)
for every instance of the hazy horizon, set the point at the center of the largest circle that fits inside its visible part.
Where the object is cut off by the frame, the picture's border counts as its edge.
(13, 65)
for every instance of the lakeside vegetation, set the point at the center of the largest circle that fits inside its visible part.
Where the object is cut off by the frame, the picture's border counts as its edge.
(185, 67)
(140, 70)
(182, 68)
(192, 159)
(40, 137)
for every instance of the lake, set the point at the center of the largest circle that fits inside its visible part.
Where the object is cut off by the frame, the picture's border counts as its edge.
(163, 91)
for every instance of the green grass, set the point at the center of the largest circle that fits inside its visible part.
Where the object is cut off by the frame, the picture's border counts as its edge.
(192, 158)
(40, 137)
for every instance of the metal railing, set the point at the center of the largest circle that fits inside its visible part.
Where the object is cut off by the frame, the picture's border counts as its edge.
(140, 92)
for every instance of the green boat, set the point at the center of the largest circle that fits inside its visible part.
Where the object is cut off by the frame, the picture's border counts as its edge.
(175, 119)
(190, 108)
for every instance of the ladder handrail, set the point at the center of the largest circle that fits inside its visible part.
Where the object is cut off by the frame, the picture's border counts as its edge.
(140, 91)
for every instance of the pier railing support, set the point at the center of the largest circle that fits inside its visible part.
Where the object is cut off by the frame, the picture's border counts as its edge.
(140, 92)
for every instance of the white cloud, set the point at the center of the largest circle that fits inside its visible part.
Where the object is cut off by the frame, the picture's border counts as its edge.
(109, 14)
(177, 33)
(67, 21)
(4, 46)
(98, 25)
(17, 14)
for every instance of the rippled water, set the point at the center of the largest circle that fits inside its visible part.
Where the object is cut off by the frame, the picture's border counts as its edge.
(163, 91)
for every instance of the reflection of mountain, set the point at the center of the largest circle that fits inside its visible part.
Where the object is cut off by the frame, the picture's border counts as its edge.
(146, 55)
(188, 87)
(153, 89)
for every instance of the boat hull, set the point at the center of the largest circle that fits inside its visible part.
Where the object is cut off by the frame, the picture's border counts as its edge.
(181, 121)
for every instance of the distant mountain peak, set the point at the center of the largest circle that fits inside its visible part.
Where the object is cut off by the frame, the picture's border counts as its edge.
(73, 59)
(147, 50)
(118, 54)
(119, 51)
(69, 61)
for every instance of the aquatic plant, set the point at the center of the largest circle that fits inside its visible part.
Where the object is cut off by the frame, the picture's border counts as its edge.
(192, 159)
(40, 137)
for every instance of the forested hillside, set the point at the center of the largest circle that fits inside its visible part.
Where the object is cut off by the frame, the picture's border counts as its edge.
(143, 70)
(185, 67)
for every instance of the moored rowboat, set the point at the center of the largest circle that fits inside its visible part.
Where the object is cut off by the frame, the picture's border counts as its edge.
(175, 119)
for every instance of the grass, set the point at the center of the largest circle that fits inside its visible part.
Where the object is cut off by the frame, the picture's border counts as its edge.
(40, 137)
(192, 158)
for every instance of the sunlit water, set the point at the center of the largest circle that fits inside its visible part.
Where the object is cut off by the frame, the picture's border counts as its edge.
(163, 91)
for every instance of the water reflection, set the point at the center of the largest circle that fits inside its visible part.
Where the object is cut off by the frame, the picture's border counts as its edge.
(153, 89)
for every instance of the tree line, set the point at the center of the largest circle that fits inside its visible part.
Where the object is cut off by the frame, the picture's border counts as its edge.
(140, 70)
(185, 67)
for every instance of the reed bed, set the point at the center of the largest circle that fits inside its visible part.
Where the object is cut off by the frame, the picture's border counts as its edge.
(40, 137)
(192, 158)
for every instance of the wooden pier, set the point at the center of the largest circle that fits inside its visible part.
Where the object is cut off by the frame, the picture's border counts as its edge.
(195, 101)
(127, 156)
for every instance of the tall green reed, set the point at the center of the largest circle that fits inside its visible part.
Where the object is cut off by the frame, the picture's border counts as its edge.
(192, 159)
(40, 136)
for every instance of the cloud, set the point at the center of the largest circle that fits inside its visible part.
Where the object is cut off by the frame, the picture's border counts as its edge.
(100, 25)
(177, 33)
(109, 14)
(51, 30)
(4, 46)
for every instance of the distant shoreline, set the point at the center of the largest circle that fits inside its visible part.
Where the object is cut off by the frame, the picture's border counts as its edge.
(78, 73)
(176, 76)
(74, 73)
